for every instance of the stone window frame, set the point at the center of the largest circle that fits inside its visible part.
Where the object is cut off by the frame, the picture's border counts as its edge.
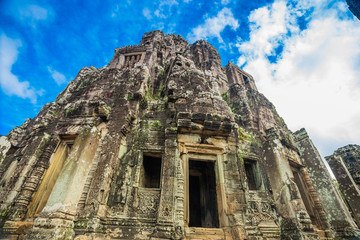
(38, 201)
(204, 152)
(141, 164)
(311, 196)
(254, 160)
(125, 56)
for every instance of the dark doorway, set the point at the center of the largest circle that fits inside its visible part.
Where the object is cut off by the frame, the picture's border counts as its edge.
(151, 171)
(202, 195)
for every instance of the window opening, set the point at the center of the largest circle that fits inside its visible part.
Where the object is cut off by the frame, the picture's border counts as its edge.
(130, 60)
(69, 143)
(12, 150)
(203, 209)
(246, 80)
(151, 171)
(252, 175)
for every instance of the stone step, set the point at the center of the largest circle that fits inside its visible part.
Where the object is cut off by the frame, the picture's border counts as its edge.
(323, 234)
(204, 233)
(267, 230)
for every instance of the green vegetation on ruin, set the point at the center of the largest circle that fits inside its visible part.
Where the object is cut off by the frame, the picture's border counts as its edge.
(156, 125)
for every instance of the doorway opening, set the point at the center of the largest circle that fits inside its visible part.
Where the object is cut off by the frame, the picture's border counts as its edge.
(308, 202)
(203, 208)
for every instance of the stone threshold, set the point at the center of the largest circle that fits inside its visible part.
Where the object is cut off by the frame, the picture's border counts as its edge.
(204, 233)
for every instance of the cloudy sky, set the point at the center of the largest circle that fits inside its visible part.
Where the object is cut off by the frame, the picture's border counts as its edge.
(304, 55)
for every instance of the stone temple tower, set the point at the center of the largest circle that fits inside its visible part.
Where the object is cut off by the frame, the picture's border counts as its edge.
(165, 143)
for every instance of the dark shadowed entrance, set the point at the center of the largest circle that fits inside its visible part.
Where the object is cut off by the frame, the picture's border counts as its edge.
(202, 195)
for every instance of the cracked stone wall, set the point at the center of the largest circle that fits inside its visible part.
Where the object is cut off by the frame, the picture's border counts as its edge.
(76, 170)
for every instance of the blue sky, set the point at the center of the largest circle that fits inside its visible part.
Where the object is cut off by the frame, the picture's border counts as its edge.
(304, 55)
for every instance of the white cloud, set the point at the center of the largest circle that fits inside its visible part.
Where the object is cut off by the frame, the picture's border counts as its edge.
(159, 14)
(28, 12)
(267, 27)
(34, 12)
(59, 78)
(164, 8)
(315, 82)
(146, 12)
(10, 83)
(225, 2)
(212, 27)
(115, 11)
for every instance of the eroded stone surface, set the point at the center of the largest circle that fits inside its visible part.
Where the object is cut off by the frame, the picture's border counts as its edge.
(345, 164)
(77, 170)
(335, 209)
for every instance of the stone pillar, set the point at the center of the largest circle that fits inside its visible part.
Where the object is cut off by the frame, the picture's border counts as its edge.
(166, 210)
(337, 213)
(132, 61)
(34, 182)
(16, 224)
(127, 59)
(347, 185)
(295, 221)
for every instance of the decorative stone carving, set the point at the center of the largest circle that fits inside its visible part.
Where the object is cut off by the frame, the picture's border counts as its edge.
(145, 202)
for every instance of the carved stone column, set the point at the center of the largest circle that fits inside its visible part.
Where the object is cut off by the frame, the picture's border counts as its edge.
(166, 209)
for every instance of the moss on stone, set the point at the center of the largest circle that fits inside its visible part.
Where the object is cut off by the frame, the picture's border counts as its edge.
(243, 135)
(4, 212)
(280, 120)
(69, 111)
(43, 145)
(130, 96)
(56, 113)
(107, 109)
(141, 138)
(225, 97)
(157, 125)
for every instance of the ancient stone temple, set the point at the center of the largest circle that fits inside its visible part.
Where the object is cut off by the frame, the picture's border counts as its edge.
(165, 143)
(345, 164)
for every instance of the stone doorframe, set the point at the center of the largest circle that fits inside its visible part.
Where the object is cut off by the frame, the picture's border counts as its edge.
(205, 152)
(320, 222)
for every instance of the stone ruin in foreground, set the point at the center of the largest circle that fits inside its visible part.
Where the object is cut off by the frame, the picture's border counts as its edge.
(345, 164)
(165, 143)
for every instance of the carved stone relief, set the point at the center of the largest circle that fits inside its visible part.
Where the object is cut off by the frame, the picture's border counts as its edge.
(145, 202)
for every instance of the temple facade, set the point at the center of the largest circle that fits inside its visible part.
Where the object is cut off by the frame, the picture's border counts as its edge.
(165, 143)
